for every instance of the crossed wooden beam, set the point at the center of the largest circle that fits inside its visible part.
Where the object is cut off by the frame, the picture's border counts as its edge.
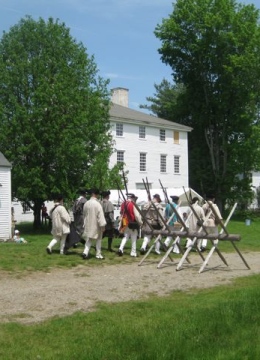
(202, 233)
(184, 232)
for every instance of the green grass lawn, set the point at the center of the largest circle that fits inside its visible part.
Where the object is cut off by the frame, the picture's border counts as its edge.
(220, 323)
(214, 324)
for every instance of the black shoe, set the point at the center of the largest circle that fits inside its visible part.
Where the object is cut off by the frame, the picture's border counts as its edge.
(84, 256)
(142, 251)
(120, 252)
(48, 251)
(203, 249)
(111, 250)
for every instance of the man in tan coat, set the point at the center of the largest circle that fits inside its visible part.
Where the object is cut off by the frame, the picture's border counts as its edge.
(60, 225)
(94, 224)
(212, 222)
(194, 226)
(152, 217)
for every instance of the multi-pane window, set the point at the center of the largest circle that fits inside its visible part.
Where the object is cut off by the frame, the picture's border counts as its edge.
(119, 130)
(176, 137)
(142, 132)
(162, 135)
(120, 156)
(176, 164)
(142, 161)
(163, 164)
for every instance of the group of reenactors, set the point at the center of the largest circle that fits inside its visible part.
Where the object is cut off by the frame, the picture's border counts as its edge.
(93, 220)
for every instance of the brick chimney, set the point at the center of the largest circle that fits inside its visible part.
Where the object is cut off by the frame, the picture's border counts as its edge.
(119, 96)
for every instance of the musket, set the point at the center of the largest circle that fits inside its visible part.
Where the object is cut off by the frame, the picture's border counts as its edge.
(125, 182)
(120, 191)
(146, 185)
(148, 194)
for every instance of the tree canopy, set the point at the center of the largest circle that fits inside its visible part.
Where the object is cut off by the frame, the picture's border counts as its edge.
(54, 112)
(213, 48)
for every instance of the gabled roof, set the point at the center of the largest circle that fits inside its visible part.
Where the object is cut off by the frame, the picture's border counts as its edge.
(4, 162)
(119, 113)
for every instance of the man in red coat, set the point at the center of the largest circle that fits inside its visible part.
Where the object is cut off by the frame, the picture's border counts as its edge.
(131, 220)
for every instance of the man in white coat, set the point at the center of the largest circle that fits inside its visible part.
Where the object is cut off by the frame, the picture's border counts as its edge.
(60, 225)
(94, 224)
(212, 222)
(194, 223)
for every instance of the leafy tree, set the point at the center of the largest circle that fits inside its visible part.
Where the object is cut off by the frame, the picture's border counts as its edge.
(54, 111)
(213, 48)
(166, 102)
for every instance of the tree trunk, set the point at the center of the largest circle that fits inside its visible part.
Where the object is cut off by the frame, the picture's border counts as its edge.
(37, 213)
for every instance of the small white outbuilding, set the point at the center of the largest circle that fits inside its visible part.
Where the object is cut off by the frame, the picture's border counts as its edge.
(5, 199)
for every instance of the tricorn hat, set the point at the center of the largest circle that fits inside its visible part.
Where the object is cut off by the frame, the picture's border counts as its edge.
(174, 198)
(210, 196)
(82, 191)
(58, 197)
(106, 193)
(157, 196)
(131, 196)
(94, 191)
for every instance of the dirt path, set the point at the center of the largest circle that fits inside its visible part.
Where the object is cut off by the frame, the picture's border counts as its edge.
(40, 296)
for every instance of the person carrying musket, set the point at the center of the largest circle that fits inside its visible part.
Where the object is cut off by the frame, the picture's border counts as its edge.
(130, 222)
(77, 210)
(108, 209)
(194, 223)
(77, 224)
(60, 225)
(152, 217)
(94, 224)
(212, 221)
(168, 215)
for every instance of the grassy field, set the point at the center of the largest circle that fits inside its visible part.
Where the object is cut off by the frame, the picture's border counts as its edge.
(213, 324)
(32, 256)
(21, 258)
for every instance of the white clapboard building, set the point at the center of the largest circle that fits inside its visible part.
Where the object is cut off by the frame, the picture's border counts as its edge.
(150, 147)
(256, 188)
(5, 199)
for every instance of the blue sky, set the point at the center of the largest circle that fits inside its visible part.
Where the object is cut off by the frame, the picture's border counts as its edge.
(119, 33)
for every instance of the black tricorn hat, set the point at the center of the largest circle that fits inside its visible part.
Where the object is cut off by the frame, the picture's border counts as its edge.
(82, 191)
(93, 191)
(106, 193)
(210, 196)
(57, 197)
(174, 198)
(157, 196)
(194, 199)
(131, 196)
